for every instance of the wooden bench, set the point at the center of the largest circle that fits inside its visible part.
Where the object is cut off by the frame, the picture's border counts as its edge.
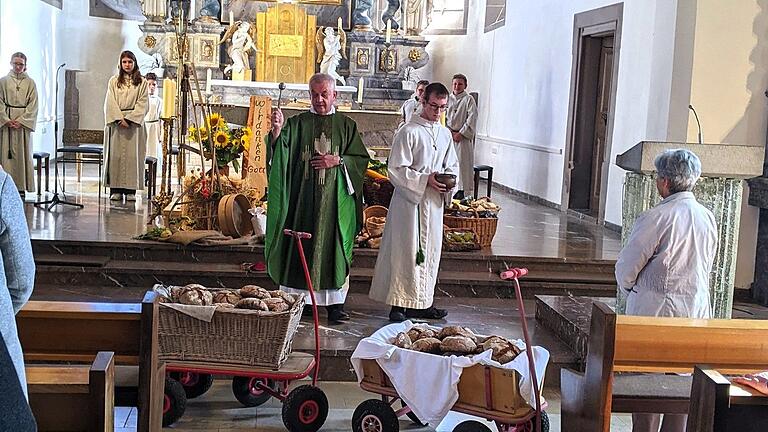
(52, 331)
(719, 406)
(652, 345)
(73, 397)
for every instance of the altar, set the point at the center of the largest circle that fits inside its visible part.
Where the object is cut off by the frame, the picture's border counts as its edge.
(230, 92)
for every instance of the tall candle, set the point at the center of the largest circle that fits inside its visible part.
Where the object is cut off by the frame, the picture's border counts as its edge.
(208, 83)
(389, 32)
(231, 17)
(169, 98)
(360, 90)
(339, 23)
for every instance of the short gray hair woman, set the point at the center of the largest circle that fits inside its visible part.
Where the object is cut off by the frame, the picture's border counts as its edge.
(680, 167)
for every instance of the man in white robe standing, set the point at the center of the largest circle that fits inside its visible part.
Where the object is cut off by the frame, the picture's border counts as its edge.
(18, 118)
(152, 119)
(413, 105)
(409, 258)
(664, 267)
(461, 119)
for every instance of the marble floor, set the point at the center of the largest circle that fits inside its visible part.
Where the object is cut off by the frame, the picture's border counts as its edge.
(525, 228)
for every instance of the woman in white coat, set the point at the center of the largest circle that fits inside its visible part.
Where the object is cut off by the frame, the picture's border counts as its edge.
(664, 267)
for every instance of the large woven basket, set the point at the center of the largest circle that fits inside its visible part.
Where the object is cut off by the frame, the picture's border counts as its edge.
(484, 227)
(241, 337)
(378, 191)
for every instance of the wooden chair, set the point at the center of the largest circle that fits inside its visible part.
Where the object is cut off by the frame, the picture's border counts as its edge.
(718, 406)
(73, 397)
(652, 345)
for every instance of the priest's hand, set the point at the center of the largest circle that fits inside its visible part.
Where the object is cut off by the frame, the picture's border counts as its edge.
(436, 185)
(324, 161)
(13, 124)
(457, 137)
(277, 122)
(123, 123)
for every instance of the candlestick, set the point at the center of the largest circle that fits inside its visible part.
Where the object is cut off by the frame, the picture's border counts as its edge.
(388, 37)
(208, 83)
(360, 90)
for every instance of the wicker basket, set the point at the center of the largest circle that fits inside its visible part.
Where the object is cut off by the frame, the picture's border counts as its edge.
(460, 247)
(484, 227)
(240, 337)
(378, 191)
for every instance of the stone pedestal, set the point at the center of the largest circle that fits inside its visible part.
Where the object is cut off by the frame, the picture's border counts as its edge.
(724, 167)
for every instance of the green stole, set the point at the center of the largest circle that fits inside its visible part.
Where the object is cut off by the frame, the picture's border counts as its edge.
(302, 199)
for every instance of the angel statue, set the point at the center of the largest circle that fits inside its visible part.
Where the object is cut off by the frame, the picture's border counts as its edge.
(242, 43)
(330, 49)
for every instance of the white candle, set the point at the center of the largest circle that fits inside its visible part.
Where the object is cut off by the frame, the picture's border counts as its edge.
(339, 23)
(360, 91)
(388, 37)
(231, 17)
(208, 83)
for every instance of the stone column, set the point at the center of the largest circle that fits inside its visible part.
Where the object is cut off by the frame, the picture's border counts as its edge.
(724, 167)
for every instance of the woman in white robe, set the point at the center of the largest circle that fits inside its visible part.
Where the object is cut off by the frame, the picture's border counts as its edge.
(420, 148)
(124, 135)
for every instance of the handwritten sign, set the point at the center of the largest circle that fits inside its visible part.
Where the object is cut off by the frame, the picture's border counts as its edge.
(255, 161)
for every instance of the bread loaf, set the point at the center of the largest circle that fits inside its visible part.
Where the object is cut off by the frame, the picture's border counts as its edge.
(289, 299)
(456, 331)
(254, 291)
(459, 344)
(252, 303)
(402, 340)
(427, 345)
(507, 354)
(191, 297)
(226, 296)
(206, 297)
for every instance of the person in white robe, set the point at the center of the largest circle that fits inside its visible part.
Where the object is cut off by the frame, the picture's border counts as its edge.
(152, 119)
(461, 118)
(125, 140)
(409, 258)
(18, 118)
(413, 105)
(664, 267)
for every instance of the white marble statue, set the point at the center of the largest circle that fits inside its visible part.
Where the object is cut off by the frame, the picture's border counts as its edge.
(418, 15)
(331, 47)
(242, 44)
(154, 9)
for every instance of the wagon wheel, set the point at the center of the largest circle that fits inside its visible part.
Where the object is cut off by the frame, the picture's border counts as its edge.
(305, 409)
(375, 415)
(471, 426)
(195, 384)
(529, 426)
(412, 416)
(248, 393)
(174, 401)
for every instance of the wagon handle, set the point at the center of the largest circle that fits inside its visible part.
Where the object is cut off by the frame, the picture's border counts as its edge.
(298, 235)
(514, 274)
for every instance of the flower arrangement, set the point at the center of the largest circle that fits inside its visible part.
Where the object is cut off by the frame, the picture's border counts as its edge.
(229, 143)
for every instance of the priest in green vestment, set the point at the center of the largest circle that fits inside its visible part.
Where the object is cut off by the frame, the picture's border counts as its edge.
(316, 186)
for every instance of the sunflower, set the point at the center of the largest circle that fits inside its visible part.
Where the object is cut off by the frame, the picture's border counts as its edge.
(216, 120)
(220, 139)
(192, 134)
(246, 139)
(202, 133)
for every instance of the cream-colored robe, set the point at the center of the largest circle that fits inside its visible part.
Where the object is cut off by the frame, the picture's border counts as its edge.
(419, 148)
(125, 148)
(410, 108)
(461, 116)
(154, 127)
(18, 101)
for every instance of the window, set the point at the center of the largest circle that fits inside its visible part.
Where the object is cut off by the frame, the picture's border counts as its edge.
(495, 14)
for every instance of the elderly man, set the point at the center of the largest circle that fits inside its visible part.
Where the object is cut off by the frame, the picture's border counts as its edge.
(315, 185)
(664, 267)
(461, 119)
(413, 105)
(18, 117)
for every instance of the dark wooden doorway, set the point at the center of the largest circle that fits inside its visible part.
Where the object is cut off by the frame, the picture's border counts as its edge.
(590, 122)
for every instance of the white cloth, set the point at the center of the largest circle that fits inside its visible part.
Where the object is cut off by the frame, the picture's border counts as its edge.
(125, 148)
(324, 297)
(154, 128)
(666, 262)
(18, 101)
(410, 370)
(419, 148)
(461, 117)
(410, 108)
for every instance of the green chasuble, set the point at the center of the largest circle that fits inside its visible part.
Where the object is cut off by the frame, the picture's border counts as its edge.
(302, 198)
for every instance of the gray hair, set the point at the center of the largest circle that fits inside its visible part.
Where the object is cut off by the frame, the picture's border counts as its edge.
(320, 78)
(681, 167)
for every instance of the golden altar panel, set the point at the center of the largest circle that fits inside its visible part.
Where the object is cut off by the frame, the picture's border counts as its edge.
(286, 50)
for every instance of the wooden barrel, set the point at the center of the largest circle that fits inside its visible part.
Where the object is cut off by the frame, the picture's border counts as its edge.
(234, 218)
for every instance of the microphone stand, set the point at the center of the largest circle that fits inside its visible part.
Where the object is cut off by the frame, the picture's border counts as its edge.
(55, 200)
(697, 121)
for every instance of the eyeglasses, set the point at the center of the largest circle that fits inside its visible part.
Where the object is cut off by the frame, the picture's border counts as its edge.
(18, 64)
(438, 107)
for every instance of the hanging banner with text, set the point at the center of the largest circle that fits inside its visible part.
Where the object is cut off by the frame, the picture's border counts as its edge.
(255, 163)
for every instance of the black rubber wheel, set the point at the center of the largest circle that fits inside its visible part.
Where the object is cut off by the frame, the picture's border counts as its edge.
(305, 409)
(471, 426)
(412, 416)
(246, 391)
(174, 401)
(529, 426)
(375, 415)
(195, 384)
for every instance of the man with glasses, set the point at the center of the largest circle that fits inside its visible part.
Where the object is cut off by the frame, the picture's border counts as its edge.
(18, 117)
(406, 268)
(461, 119)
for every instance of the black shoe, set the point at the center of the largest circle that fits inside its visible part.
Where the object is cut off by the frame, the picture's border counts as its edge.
(397, 314)
(336, 313)
(428, 313)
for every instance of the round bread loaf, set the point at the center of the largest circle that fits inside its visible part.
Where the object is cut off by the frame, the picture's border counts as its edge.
(252, 303)
(427, 345)
(191, 297)
(402, 340)
(278, 307)
(459, 344)
(507, 354)
(206, 297)
(194, 286)
(289, 299)
(456, 331)
(226, 296)
(176, 292)
(254, 291)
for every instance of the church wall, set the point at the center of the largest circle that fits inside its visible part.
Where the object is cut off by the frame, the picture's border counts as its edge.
(730, 74)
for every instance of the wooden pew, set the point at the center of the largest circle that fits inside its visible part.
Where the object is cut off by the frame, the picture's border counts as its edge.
(76, 331)
(655, 345)
(73, 397)
(719, 406)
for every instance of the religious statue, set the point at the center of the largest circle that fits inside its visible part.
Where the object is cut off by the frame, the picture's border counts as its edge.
(210, 10)
(330, 49)
(389, 14)
(175, 8)
(154, 10)
(418, 15)
(242, 43)
(361, 17)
